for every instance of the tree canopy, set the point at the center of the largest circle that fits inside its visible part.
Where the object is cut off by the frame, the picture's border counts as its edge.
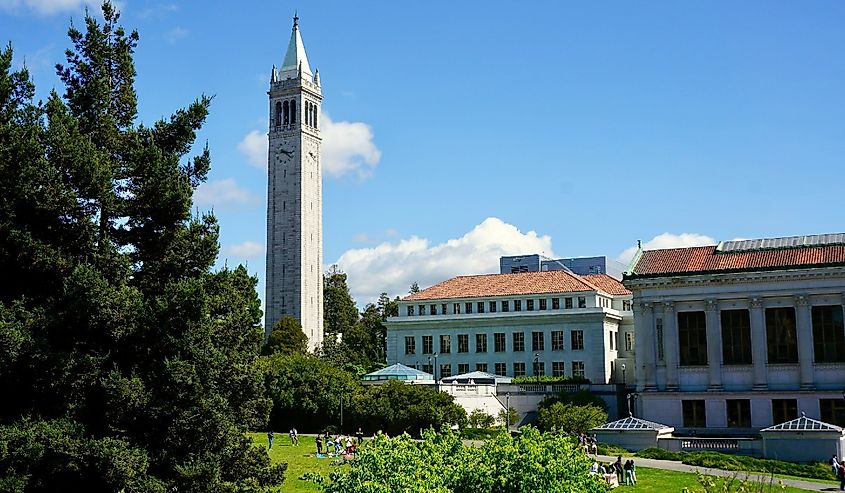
(286, 337)
(396, 408)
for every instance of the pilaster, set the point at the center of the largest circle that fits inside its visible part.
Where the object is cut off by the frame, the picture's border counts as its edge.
(759, 345)
(714, 345)
(804, 328)
(670, 343)
(649, 358)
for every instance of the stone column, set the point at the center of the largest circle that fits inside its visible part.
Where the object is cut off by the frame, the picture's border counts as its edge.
(639, 347)
(804, 330)
(714, 345)
(670, 345)
(649, 360)
(759, 345)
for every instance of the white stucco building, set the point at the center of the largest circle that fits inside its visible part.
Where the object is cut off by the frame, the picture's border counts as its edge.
(547, 323)
(740, 336)
(294, 281)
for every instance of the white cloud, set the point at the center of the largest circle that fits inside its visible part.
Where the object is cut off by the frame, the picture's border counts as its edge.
(224, 192)
(668, 240)
(348, 148)
(392, 267)
(50, 7)
(245, 250)
(175, 34)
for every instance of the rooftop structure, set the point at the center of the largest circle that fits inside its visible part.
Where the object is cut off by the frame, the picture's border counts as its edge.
(398, 372)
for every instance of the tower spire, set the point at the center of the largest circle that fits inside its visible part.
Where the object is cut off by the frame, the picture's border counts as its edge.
(295, 56)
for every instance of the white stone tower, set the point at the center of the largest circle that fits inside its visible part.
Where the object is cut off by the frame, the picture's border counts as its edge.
(294, 280)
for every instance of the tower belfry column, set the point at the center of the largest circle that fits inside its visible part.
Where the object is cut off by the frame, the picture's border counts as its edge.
(294, 280)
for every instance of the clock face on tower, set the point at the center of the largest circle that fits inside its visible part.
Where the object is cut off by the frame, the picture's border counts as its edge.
(284, 152)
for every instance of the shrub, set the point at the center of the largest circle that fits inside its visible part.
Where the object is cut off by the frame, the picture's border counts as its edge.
(480, 419)
(549, 379)
(611, 449)
(570, 418)
(481, 433)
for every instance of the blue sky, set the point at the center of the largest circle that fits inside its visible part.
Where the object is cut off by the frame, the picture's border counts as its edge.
(466, 130)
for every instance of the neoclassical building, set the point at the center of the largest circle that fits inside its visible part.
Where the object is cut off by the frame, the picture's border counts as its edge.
(523, 324)
(739, 336)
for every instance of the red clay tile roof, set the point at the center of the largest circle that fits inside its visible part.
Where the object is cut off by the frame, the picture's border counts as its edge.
(509, 284)
(607, 284)
(654, 263)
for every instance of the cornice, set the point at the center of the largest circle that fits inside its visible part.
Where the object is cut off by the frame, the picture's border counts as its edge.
(499, 321)
(736, 277)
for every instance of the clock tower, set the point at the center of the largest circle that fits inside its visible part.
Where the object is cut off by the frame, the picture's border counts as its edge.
(294, 280)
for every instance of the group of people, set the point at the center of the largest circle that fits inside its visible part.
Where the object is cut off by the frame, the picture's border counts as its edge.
(611, 472)
(589, 443)
(338, 445)
(294, 438)
(839, 470)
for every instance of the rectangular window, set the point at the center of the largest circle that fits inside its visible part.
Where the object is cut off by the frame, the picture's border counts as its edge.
(616, 340)
(557, 340)
(626, 305)
(692, 338)
(463, 368)
(833, 411)
(410, 311)
(576, 340)
(519, 369)
(558, 369)
(456, 308)
(463, 343)
(518, 342)
(445, 371)
(659, 336)
(432, 310)
(501, 369)
(468, 307)
(828, 334)
(428, 344)
(445, 344)
(443, 309)
(480, 343)
(736, 337)
(781, 336)
(694, 416)
(610, 340)
(517, 305)
(567, 303)
(429, 368)
(582, 302)
(578, 369)
(505, 306)
(739, 413)
(482, 367)
(629, 341)
(538, 342)
(421, 309)
(410, 345)
(529, 305)
(499, 342)
(480, 306)
(543, 304)
(492, 306)
(539, 368)
(784, 410)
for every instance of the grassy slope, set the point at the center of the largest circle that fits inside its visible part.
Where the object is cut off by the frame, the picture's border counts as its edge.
(662, 481)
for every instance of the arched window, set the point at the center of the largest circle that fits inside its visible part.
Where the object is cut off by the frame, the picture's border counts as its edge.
(277, 118)
(286, 113)
(308, 113)
(315, 116)
(293, 112)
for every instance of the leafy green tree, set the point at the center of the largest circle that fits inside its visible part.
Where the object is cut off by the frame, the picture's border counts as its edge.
(387, 307)
(286, 338)
(397, 408)
(339, 311)
(580, 398)
(133, 366)
(570, 418)
(480, 419)
(415, 288)
(508, 417)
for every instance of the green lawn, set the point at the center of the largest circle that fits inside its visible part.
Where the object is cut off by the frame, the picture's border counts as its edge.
(662, 481)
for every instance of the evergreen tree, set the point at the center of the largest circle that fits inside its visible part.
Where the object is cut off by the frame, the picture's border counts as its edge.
(286, 338)
(415, 288)
(133, 366)
(339, 312)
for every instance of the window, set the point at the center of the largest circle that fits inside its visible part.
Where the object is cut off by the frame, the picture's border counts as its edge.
(429, 368)
(538, 342)
(421, 309)
(616, 340)
(558, 369)
(443, 309)
(432, 310)
(694, 414)
(519, 369)
(557, 340)
(610, 340)
(582, 302)
(567, 303)
(278, 116)
(501, 369)
(480, 343)
(517, 305)
(482, 367)
(463, 343)
(505, 307)
(539, 368)
(529, 305)
(692, 338)
(833, 411)
(293, 112)
(659, 336)
(445, 370)
(480, 306)
(428, 344)
(463, 368)
(629, 341)
(543, 304)
(626, 305)
(410, 345)
(784, 410)
(578, 369)
(410, 311)
(518, 341)
(576, 340)
(286, 112)
(492, 306)
(445, 344)
(468, 307)
(739, 413)
(555, 303)
(828, 334)
(736, 337)
(781, 335)
(499, 342)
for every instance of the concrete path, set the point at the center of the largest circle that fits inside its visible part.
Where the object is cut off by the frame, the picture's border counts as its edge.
(672, 465)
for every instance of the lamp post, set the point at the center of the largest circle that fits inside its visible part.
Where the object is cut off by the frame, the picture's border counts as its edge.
(434, 368)
(624, 382)
(508, 410)
(632, 402)
(537, 366)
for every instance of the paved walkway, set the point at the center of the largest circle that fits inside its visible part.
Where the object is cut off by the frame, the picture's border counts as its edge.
(672, 465)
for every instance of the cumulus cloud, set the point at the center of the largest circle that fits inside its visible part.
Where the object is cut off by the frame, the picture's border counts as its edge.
(245, 250)
(392, 266)
(668, 240)
(348, 148)
(220, 193)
